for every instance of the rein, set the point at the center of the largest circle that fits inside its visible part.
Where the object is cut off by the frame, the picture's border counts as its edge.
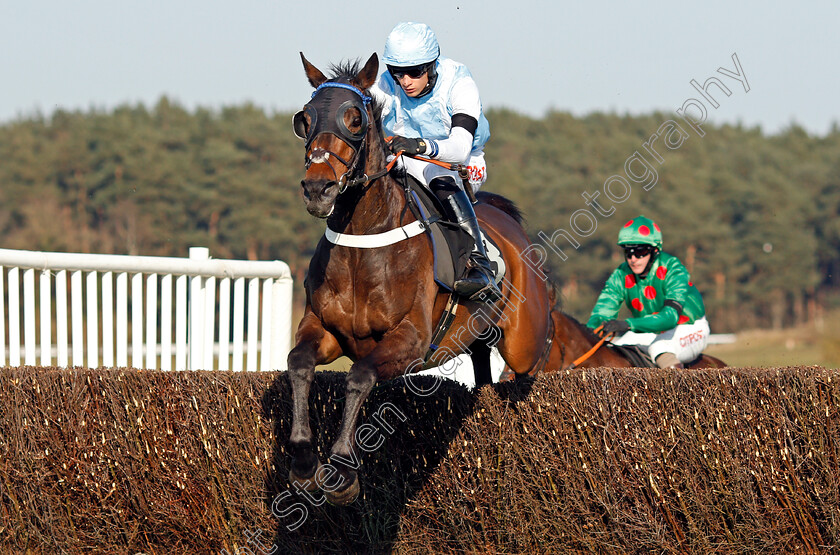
(585, 356)
(461, 169)
(364, 179)
(547, 349)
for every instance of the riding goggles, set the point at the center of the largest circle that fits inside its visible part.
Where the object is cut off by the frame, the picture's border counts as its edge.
(415, 72)
(639, 251)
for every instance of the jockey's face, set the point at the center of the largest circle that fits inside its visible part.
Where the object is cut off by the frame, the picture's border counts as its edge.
(413, 86)
(637, 264)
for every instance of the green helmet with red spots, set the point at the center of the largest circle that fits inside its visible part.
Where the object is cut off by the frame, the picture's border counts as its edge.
(640, 231)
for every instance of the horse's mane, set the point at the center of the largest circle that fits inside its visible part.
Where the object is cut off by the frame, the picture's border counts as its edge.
(345, 68)
(504, 204)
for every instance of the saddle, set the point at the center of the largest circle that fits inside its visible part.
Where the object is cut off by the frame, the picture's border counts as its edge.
(450, 244)
(634, 355)
(639, 359)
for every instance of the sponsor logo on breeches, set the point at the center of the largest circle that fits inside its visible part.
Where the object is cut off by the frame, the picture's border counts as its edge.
(691, 338)
(476, 173)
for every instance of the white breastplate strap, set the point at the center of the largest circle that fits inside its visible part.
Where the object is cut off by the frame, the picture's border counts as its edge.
(376, 239)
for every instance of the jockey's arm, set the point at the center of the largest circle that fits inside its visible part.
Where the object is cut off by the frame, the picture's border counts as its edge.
(663, 320)
(465, 106)
(458, 146)
(609, 301)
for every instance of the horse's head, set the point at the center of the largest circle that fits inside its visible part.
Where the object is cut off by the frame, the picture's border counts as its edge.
(334, 125)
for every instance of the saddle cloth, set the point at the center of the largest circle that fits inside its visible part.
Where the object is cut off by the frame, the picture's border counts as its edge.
(450, 244)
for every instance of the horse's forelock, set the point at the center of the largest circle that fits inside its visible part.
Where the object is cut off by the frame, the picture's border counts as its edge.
(345, 70)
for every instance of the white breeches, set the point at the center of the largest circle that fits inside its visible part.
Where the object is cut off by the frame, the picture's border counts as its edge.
(686, 341)
(424, 172)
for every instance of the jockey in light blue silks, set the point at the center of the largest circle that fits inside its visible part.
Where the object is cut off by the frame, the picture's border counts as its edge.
(431, 106)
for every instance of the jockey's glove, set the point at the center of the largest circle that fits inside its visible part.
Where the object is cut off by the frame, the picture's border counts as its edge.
(407, 145)
(618, 327)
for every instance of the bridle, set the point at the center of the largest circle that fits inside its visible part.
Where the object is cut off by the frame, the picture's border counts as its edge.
(336, 127)
(347, 97)
(344, 96)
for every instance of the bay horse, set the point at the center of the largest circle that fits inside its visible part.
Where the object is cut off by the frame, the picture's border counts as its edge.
(575, 340)
(380, 306)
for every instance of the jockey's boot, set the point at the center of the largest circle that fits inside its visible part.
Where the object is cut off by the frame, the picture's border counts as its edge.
(478, 283)
(668, 360)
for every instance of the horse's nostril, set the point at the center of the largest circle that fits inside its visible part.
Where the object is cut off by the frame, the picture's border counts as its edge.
(319, 191)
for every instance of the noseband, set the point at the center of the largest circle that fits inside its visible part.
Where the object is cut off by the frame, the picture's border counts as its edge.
(323, 99)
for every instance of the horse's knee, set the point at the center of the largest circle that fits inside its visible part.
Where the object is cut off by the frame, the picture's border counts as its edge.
(301, 361)
(361, 378)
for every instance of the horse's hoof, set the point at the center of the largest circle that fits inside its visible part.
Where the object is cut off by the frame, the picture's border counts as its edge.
(344, 496)
(506, 376)
(306, 484)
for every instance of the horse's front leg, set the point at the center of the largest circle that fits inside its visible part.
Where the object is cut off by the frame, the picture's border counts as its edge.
(391, 357)
(313, 345)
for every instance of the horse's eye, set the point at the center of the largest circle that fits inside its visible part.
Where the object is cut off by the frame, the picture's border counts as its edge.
(353, 119)
(301, 123)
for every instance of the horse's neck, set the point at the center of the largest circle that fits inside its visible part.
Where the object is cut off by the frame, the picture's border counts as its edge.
(576, 331)
(380, 205)
(379, 208)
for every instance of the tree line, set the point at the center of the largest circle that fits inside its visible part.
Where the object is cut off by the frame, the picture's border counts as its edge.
(753, 216)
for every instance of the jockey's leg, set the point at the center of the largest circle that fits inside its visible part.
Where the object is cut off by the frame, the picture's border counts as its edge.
(479, 276)
(668, 360)
(675, 347)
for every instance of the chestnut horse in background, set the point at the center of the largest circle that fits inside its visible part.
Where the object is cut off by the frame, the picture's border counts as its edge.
(575, 340)
(380, 306)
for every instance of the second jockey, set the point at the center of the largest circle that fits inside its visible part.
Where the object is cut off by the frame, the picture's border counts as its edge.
(668, 318)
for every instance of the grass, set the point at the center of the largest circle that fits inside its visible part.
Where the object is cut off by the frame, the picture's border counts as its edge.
(816, 343)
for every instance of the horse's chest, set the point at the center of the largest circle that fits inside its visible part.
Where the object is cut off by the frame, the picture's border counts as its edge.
(354, 318)
(359, 308)
(362, 295)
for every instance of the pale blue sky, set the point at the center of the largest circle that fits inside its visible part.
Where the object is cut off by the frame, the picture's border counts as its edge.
(527, 55)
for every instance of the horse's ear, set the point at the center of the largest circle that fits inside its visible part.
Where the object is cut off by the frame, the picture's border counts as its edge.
(316, 78)
(367, 76)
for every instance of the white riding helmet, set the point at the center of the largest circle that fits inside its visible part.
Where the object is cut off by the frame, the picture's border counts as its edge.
(411, 44)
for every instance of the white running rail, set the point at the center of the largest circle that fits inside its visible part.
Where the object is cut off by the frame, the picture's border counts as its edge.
(210, 305)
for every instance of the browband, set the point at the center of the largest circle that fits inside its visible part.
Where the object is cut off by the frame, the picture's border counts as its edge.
(329, 84)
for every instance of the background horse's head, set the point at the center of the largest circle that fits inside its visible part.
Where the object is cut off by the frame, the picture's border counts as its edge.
(335, 125)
